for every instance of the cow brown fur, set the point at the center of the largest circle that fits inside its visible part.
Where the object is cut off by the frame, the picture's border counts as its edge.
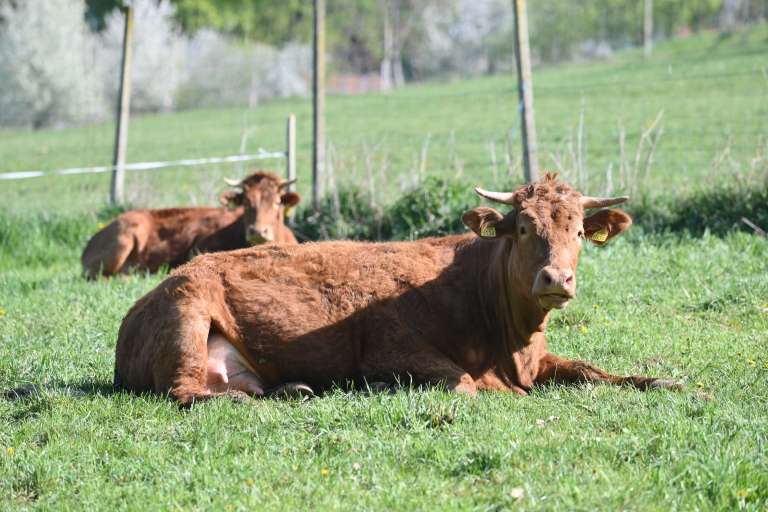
(460, 309)
(152, 238)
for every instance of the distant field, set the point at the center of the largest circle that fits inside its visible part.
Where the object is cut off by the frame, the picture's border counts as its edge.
(713, 91)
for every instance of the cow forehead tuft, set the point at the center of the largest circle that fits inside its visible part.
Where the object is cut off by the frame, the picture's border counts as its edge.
(549, 203)
(261, 179)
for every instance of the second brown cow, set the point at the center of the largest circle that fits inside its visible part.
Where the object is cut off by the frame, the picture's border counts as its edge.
(469, 311)
(149, 239)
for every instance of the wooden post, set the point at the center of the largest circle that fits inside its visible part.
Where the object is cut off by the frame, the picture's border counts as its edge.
(525, 91)
(290, 150)
(318, 102)
(123, 112)
(648, 29)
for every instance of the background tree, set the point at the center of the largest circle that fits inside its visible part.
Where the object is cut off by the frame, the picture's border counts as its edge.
(47, 71)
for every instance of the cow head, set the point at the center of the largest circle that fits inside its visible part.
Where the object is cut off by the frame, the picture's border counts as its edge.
(543, 233)
(265, 199)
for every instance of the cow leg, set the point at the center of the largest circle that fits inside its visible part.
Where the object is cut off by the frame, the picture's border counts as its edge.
(489, 381)
(553, 368)
(109, 259)
(424, 365)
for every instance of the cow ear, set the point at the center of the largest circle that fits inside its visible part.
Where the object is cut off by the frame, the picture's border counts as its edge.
(605, 224)
(231, 199)
(488, 222)
(290, 199)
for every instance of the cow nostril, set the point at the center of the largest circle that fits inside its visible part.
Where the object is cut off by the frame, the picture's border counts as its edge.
(569, 279)
(547, 278)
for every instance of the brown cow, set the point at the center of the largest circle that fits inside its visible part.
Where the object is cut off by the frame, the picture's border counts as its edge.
(150, 239)
(469, 311)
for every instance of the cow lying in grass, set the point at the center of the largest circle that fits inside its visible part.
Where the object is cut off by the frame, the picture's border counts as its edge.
(469, 311)
(149, 239)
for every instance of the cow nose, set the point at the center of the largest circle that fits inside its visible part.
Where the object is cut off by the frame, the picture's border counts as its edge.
(554, 281)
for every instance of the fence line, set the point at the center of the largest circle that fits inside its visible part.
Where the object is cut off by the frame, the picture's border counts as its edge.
(144, 166)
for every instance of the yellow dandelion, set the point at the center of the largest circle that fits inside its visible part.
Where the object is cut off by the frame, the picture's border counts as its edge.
(583, 329)
(325, 472)
(2, 312)
(9, 451)
(700, 384)
(752, 362)
(742, 493)
(249, 482)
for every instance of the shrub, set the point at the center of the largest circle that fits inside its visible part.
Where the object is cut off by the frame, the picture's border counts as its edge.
(48, 75)
(354, 218)
(158, 56)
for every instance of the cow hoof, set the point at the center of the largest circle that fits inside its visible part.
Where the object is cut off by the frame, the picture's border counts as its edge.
(292, 390)
(465, 389)
(666, 384)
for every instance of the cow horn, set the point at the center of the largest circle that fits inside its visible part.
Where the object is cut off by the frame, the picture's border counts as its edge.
(599, 202)
(232, 183)
(499, 197)
(288, 183)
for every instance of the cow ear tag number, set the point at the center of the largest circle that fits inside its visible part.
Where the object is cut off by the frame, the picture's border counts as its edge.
(601, 235)
(488, 232)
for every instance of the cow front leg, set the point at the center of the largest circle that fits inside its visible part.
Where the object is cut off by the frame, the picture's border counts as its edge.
(489, 381)
(557, 369)
(425, 366)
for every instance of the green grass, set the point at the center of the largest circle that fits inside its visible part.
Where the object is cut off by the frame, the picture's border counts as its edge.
(666, 303)
(713, 91)
(688, 308)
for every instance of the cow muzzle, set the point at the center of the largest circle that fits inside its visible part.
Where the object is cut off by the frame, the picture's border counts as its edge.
(554, 287)
(256, 236)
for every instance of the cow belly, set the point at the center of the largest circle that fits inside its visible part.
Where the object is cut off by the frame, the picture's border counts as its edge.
(227, 369)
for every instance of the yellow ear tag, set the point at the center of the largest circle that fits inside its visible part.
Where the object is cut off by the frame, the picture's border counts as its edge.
(287, 212)
(488, 232)
(601, 235)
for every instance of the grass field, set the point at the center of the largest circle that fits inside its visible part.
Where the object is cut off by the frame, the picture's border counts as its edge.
(689, 308)
(693, 308)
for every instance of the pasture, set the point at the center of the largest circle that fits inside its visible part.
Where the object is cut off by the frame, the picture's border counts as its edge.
(693, 308)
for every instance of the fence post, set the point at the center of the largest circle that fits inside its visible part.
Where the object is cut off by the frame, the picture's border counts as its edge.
(318, 102)
(525, 91)
(648, 29)
(123, 112)
(290, 150)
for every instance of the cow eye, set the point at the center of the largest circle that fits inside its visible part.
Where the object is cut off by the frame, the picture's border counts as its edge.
(581, 234)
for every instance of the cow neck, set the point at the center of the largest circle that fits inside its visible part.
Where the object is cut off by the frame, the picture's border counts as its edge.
(518, 317)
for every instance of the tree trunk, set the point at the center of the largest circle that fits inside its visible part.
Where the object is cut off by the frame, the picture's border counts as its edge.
(398, 77)
(386, 62)
(648, 29)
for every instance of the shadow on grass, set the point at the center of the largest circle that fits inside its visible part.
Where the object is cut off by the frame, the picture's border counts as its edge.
(80, 388)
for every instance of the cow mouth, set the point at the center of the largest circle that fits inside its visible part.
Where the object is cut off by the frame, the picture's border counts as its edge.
(257, 240)
(554, 300)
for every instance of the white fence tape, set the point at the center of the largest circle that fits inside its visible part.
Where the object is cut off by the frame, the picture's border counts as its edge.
(143, 166)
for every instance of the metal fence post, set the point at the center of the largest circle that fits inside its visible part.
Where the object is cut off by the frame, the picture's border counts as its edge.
(318, 102)
(123, 112)
(290, 150)
(525, 90)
